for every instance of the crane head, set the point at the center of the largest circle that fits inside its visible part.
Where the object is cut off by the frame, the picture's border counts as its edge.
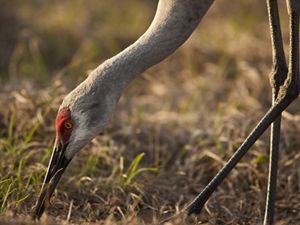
(82, 115)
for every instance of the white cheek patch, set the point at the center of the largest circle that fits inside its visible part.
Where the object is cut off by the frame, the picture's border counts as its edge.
(81, 131)
(81, 134)
(78, 140)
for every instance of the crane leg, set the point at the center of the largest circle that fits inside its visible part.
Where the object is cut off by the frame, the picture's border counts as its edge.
(277, 78)
(287, 93)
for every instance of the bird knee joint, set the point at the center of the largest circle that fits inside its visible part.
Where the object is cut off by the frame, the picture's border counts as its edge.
(289, 90)
(278, 76)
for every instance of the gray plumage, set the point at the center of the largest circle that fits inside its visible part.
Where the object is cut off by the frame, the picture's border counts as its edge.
(88, 108)
(92, 103)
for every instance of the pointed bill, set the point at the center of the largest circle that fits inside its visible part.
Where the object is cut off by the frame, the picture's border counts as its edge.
(57, 165)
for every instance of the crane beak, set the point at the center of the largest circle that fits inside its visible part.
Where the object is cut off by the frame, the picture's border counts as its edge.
(57, 165)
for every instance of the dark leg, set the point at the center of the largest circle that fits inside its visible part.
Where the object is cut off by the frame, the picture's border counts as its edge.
(287, 94)
(277, 77)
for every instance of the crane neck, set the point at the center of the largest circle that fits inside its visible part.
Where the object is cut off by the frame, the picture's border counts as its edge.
(172, 25)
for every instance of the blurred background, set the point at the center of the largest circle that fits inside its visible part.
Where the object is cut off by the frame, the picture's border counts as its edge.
(40, 39)
(187, 115)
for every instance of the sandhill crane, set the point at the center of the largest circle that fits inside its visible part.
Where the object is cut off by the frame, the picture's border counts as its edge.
(85, 111)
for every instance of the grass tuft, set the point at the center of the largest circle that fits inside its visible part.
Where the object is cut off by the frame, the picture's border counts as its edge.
(126, 179)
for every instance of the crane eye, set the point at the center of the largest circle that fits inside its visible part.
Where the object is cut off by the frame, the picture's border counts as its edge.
(68, 125)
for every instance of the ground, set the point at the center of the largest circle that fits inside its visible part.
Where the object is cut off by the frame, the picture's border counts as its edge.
(174, 128)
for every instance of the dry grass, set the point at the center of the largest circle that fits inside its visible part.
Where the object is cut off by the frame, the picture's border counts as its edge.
(188, 115)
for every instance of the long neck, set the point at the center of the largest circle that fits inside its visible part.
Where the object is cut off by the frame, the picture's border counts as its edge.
(173, 23)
